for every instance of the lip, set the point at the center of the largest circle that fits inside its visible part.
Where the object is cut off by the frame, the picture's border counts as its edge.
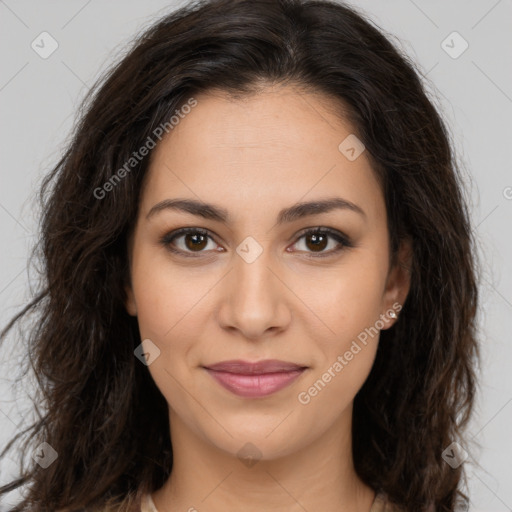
(255, 379)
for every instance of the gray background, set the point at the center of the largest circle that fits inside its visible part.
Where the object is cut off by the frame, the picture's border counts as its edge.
(39, 97)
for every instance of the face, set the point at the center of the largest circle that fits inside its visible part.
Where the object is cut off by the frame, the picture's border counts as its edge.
(257, 277)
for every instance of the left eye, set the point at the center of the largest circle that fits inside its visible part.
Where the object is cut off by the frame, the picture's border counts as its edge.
(187, 241)
(317, 240)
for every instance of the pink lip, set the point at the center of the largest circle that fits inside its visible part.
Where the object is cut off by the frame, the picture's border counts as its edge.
(257, 379)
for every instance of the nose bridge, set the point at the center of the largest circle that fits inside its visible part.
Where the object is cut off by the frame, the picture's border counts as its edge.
(254, 289)
(254, 302)
(253, 279)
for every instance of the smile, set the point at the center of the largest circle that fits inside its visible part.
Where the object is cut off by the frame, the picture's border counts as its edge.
(255, 380)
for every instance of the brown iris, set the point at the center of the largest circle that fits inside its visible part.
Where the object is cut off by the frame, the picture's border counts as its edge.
(318, 241)
(195, 241)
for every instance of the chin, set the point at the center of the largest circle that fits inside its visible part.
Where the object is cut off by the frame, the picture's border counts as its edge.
(262, 440)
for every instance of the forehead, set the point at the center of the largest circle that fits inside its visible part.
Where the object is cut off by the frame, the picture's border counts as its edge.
(280, 145)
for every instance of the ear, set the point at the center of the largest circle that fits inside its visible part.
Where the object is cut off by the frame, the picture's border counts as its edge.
(130, 305)
(398, 284)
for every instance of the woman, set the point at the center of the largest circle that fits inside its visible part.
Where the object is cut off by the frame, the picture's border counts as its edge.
(259, 285)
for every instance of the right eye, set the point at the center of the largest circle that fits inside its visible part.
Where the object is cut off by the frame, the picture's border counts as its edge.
(187, 241)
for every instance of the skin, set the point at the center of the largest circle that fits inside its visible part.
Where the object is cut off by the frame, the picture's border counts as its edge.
(254, 156)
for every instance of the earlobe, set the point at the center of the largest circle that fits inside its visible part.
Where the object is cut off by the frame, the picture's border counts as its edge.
(398, 283)
(130, 305)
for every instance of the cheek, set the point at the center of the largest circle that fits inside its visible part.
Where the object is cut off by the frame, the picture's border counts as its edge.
(348, 300)
(349, 303)
(350, 306)
(168, 306)
(173, 307)
(164, 296)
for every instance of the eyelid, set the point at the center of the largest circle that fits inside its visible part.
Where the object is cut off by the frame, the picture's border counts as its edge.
(335, 234)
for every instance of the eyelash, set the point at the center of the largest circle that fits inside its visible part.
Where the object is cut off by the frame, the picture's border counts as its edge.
(343, 240)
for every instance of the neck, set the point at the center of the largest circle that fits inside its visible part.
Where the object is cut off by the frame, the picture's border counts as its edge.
(319, 476)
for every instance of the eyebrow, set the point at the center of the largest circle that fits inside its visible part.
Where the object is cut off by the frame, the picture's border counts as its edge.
(290, 214)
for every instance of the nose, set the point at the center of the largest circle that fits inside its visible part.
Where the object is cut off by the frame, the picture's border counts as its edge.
(254, 299)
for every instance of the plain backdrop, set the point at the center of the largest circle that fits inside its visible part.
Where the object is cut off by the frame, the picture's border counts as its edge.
(468, 75)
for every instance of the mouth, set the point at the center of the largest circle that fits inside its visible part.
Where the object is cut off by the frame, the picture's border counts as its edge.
(255, 379)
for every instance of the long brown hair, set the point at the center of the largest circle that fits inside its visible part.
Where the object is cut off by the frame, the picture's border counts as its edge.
(103, 414)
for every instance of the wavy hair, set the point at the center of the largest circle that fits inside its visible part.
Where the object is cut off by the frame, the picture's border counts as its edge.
(103, 414)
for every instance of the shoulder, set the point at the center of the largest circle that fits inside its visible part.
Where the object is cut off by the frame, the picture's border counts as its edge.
(147, 504)
(382, 504)
(135, 503)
